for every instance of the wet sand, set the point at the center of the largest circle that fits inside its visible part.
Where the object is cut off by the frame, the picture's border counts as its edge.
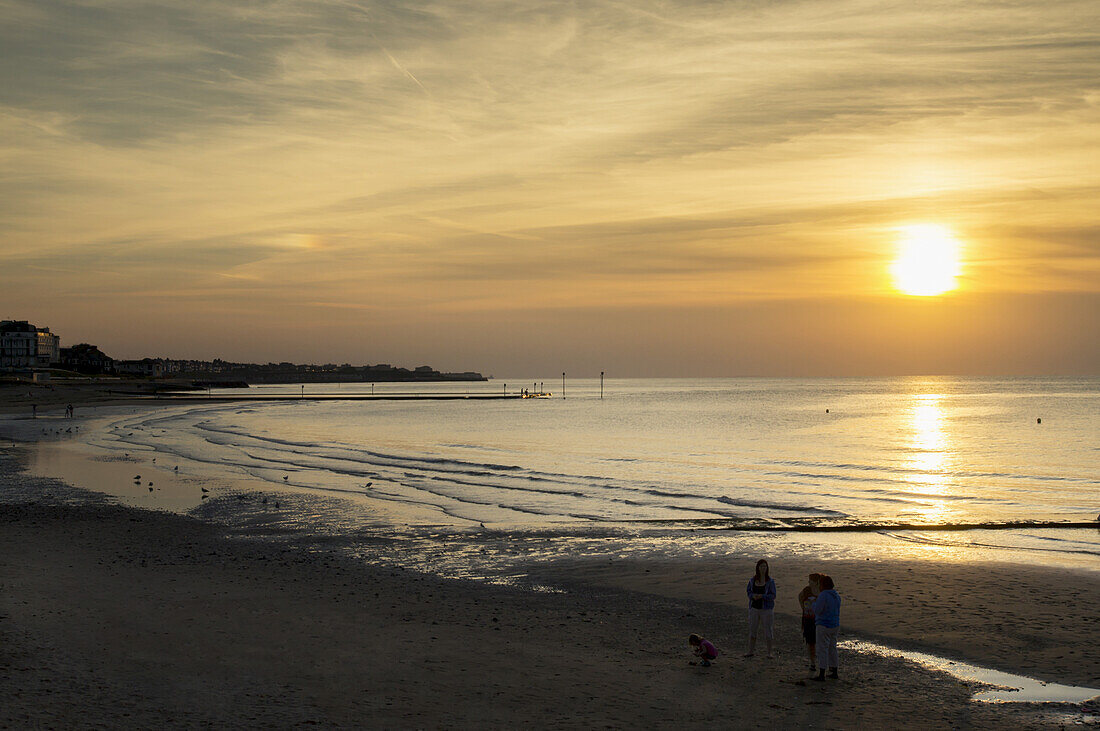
(123, 617)
(1027, 620)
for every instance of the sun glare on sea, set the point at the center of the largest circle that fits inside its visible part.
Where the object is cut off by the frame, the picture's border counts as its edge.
(928, 261)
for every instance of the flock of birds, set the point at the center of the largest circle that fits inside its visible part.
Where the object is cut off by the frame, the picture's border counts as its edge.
(176, 469)
(205, 492)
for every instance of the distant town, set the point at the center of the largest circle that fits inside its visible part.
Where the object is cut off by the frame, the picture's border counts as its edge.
(33, 352)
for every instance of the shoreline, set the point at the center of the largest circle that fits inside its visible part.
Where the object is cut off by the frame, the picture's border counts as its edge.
(118, 616)
(618, 625)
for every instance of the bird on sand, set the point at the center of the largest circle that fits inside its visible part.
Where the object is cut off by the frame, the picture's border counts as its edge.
(286, 477)
(150, 489)
(137, 477)
(205, 490)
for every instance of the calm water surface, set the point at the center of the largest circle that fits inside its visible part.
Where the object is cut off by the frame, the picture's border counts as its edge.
(672, 454)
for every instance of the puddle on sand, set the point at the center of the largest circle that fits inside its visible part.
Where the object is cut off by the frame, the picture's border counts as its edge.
(1011, 688)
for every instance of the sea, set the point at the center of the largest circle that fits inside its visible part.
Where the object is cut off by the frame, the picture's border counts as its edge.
(946, 468)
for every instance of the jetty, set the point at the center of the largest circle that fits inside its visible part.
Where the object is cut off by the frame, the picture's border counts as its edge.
(221, 397)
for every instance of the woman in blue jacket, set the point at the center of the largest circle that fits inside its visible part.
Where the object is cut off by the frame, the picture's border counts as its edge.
(761, 591)
(827, 618)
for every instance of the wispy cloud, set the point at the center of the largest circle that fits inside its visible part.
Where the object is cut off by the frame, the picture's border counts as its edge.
(495, 154)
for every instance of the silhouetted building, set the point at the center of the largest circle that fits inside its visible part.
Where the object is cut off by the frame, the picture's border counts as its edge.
(49, 347)
(86, 358)
(148, 367)
(22, 345)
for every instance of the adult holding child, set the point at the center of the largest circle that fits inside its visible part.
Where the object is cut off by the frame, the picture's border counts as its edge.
(761, 593)
(806, 599)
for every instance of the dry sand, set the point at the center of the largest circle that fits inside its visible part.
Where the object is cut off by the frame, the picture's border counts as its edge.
(51, 398)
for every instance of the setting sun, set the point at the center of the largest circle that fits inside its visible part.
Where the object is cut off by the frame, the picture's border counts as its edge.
(928, 261)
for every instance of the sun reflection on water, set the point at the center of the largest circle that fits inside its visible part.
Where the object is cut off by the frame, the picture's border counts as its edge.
(930, 456)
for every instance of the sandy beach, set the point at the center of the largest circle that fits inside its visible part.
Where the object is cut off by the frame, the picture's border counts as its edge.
(119, 617)
(51, 398)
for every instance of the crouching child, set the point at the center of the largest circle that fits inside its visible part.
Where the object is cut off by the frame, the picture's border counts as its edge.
(703, 649)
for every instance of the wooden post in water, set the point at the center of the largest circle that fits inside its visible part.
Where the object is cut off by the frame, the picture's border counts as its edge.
(601, 385)
(563, 384)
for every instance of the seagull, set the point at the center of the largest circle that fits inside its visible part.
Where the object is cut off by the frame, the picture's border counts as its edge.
(205, 490)
(286, 477)
(150, 484)
(137, 477)
(150, 489)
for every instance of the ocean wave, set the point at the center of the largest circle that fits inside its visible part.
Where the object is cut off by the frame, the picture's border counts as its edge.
(778, 506)
(914, 470)
(947, 543)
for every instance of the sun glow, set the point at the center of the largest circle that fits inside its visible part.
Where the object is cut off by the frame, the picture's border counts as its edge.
(927, 262)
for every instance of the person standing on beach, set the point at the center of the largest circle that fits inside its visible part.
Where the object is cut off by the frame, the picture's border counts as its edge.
(761, 592)
(827, 618)
(806, 599)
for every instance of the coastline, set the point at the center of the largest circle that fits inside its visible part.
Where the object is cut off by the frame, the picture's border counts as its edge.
(267, 631)
(118, 616)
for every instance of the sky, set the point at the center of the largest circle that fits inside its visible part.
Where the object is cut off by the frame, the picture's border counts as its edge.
(643, 188)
